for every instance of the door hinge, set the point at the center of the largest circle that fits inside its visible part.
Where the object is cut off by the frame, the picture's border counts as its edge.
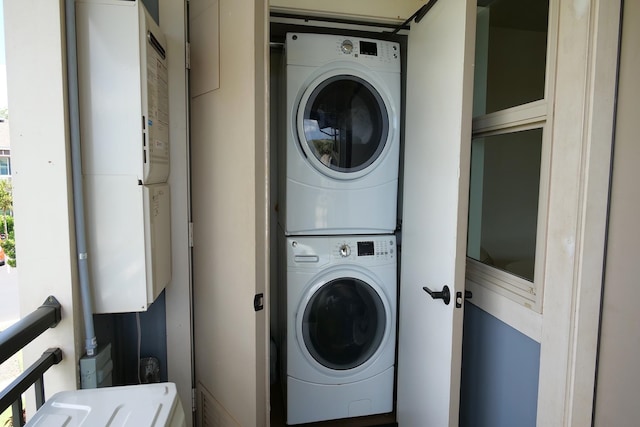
(193, 400)
(190, 234)
(187, 49)
(258, 302)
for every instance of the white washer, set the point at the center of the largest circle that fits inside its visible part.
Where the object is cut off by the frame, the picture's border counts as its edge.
(342, 135)
(340, 326)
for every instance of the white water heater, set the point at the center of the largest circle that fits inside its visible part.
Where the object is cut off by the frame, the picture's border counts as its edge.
(124, 132)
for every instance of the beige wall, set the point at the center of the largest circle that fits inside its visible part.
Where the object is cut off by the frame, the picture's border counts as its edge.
(618, 382)
(41, 166)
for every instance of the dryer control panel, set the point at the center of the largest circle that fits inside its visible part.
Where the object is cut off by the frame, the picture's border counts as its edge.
(319, 49)
(386, 51)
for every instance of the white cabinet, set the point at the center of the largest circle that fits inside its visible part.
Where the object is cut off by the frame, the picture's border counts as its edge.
(368, 10)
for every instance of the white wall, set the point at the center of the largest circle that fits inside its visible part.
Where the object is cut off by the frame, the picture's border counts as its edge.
(618, 383)
(36, 77)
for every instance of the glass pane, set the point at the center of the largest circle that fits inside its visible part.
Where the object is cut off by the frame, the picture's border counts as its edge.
(344, 323)
(345, 123)
(4, 166)
(511, 51)
(503, 201)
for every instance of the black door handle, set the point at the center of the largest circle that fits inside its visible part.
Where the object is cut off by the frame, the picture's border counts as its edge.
(444, 295)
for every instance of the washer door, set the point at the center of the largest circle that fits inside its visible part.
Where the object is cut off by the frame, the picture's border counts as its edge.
(343, 125)
(344, 323)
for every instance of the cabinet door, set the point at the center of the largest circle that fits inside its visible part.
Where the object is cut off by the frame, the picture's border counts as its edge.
(376, 10)
(436, 189)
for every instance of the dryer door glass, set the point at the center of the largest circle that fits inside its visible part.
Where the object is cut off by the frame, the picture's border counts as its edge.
(344, 323)
(346, 124)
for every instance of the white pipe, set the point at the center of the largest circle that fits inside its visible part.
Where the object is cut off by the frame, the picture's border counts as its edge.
(91, 343)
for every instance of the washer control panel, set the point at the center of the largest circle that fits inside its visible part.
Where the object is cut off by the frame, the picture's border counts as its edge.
(375, 249)
(366, 250)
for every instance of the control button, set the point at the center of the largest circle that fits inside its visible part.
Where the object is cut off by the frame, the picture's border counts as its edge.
(347, 47)
(345, 250)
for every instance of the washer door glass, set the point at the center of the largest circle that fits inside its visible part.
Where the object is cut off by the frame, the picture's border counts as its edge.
(344, 323)
(346, 124)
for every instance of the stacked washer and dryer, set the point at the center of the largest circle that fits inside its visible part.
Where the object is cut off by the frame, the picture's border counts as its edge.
(337, 214)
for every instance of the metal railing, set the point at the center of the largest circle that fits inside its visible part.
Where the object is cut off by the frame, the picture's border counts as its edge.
(12, 340)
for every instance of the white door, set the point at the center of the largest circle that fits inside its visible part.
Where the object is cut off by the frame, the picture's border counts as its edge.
(229, 185)
(436, 181)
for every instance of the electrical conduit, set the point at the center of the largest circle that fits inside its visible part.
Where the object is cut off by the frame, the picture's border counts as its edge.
(91, 343)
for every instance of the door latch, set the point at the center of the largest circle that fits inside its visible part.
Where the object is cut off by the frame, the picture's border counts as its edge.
(257, 302)
(467, 295)
(444, 294)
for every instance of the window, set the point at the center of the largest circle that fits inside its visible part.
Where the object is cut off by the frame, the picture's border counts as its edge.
(509, 160)
(511, 48)
(5, 166)
(506, 171)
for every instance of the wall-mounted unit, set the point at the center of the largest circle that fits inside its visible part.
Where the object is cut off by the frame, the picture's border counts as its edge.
(124, 115)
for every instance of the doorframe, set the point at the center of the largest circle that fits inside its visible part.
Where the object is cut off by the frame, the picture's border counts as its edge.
(179, 305)
(580, 172)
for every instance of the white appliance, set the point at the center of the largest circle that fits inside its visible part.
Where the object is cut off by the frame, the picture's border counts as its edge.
(340, 326)
(124, 130)
(342, 135)
(153, 405)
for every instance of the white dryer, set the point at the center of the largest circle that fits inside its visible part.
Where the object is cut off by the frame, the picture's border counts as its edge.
(340, 329)
(342, 135)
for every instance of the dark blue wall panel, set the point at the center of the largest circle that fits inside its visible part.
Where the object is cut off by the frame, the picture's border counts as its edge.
(499, 373)
(153, 8)
(121, 330)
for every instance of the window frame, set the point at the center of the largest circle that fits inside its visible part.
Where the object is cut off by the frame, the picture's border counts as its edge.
(515, 300)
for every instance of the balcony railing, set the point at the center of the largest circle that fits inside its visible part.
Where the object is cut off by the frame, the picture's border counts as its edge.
(12, 340)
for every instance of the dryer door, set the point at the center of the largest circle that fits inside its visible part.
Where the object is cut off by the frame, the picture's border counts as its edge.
(344, 324)
(343, 124)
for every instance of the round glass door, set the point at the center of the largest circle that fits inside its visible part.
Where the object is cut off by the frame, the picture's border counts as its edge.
(344, 323)
(345, 123)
